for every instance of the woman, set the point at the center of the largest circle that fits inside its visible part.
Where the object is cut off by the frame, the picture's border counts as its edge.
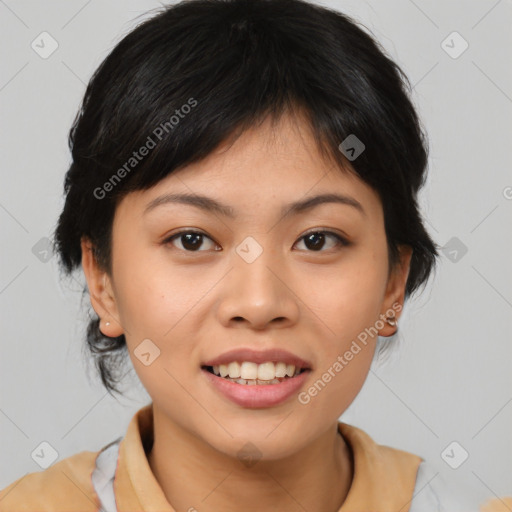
(243, 202)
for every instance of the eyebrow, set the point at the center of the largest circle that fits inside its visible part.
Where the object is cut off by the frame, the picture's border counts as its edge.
(212, 205)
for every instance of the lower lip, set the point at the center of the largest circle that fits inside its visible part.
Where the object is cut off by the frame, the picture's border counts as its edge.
(257, 395)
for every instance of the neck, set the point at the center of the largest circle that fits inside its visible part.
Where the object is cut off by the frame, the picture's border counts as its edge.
(194, 476)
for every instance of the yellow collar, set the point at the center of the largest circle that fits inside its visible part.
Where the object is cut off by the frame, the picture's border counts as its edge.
(384, 477)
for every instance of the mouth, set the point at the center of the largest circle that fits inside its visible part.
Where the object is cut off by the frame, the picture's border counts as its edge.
(257, 378)
(256, 386)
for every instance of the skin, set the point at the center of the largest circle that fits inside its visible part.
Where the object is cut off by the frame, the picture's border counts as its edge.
(198, 304)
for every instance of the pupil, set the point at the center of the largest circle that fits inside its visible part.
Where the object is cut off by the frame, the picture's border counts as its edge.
(312, 236)
(188, 237)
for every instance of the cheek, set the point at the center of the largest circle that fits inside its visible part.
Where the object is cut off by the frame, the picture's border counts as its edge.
(348, 300)
(147, 293)
(155, 305)
(336, 385)
(348, 297)
(161, 302)
(348, 306)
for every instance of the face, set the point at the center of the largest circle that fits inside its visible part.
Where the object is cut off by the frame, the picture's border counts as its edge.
(189, 285)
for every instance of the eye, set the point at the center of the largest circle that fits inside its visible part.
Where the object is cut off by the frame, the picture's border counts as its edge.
(315, 240)
(190, 240)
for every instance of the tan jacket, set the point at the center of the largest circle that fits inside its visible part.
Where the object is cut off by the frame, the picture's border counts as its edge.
(384, 478)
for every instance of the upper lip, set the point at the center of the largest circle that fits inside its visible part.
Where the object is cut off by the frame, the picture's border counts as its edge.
(258, 357)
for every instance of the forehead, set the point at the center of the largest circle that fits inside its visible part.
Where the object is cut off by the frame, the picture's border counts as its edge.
(271, 163)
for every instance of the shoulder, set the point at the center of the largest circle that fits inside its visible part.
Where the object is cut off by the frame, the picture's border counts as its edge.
(435, 493)
(64, 486)
(374, 454)
(384, 477)
(428, 491)
(410, 478)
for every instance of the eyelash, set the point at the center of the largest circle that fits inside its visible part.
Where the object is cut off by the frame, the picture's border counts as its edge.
(341, 241)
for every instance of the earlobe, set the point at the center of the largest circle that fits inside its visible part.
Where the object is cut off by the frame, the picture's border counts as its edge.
(395, 292)
(100, 291)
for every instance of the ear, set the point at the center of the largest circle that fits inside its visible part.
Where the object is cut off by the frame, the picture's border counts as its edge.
(393, 301)
(100, 291)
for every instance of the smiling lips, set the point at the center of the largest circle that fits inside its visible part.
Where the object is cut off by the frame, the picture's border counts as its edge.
(257, 378)
(247, 366)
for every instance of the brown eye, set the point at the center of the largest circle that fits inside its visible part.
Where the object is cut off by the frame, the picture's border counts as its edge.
(315, 240)
(190, 241)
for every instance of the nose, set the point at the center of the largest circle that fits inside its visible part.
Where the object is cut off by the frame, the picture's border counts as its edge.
(258, 293)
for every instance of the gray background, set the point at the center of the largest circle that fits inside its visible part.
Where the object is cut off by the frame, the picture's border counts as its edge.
(448, 378)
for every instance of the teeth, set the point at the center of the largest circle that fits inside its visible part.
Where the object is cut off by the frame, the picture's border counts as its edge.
(266, 371)
(249, 370)
(234, 370)
(251, 373)
(280, 370)
(252, 382)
